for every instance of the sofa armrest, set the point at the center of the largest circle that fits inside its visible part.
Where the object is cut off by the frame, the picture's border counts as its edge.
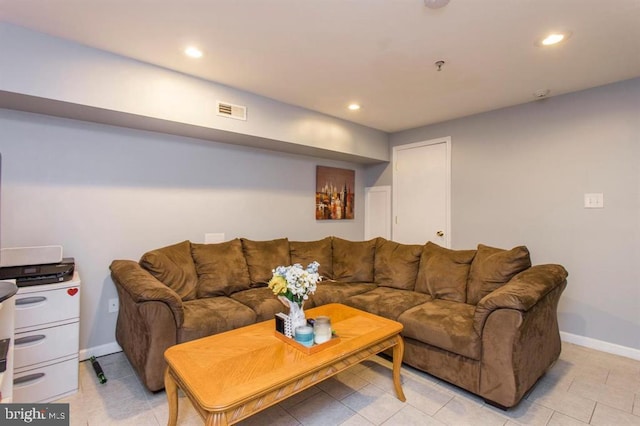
(521, 293)
(143, 287)
(518, 324)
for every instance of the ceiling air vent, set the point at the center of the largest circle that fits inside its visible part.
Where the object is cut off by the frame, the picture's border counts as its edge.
(225, 109)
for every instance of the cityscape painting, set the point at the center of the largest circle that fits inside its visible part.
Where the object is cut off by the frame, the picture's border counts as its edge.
(334, 193)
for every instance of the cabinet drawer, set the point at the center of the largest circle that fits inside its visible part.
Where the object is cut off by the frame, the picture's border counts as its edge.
(45, 344)
(46, 383)
(42, 307)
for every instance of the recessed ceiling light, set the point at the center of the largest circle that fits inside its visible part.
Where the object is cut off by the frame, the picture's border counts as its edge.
(553, 38)
(354, 107)
(193, 52)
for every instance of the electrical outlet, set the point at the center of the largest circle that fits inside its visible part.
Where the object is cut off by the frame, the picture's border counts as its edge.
(213, 237)
(113, 305)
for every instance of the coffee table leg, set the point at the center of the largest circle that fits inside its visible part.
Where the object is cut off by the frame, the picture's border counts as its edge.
(171, 388)
(398, 353)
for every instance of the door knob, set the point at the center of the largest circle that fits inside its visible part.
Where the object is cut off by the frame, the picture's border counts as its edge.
(440, 233)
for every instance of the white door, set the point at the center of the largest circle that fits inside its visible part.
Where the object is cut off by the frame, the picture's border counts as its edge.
(421, 192)
(377, 212)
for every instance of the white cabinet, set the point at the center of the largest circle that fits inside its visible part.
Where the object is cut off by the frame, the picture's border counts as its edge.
(46, 341)
(7, 307)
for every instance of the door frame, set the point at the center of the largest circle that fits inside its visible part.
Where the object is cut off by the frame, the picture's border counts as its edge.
(445, 140)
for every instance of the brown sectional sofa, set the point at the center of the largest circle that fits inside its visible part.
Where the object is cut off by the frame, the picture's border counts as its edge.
(484, 320)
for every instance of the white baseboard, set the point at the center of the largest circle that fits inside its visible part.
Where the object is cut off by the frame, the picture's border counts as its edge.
(600, 345)
(109, 348)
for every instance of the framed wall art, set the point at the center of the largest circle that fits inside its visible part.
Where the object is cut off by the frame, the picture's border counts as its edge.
(335, 193)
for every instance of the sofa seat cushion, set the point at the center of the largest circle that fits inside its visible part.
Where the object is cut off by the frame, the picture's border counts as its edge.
(387, 302)
(444, 324)
(336, 292)
(174, 267)
(212, 315)
(262, 301)
(353, 261)
(263, 257)
(305, 252)
(222, 269)
(396, 265)
(443, 272)
(492, 268)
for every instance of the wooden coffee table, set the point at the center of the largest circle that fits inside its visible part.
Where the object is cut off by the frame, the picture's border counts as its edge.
(232, 375)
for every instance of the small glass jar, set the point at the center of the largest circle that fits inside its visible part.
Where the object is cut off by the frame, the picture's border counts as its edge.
(304, 335)
(322, 329)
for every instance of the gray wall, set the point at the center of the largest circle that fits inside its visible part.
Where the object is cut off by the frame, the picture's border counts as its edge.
(519, 176)
(107, 193)
(38, 69)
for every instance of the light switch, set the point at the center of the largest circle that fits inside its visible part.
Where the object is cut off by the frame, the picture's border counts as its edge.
(594, 200)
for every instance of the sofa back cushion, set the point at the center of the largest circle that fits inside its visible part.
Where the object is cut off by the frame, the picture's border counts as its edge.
(305, 252)
(173, 266)
(222, 269)
(396, 265)
(494, 267)
(263, 257)
(353, 261)
(444, 272)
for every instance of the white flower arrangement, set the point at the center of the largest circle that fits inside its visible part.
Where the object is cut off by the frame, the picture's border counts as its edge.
(295, 282)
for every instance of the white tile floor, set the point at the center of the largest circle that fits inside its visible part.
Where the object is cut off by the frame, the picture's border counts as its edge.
(583, 387)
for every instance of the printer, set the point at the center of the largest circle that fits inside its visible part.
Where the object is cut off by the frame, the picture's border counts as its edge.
(47, 273)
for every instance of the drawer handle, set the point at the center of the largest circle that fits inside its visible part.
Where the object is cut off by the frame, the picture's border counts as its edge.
(29, 339)
(28, 378)
(30, 300)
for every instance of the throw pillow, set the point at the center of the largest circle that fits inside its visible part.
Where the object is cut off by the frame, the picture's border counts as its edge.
(305, 252)
(263, 257)
(443, 272)
(173, 266)
(353, 260)
(222, 269)
(396, 265)
(492, 268)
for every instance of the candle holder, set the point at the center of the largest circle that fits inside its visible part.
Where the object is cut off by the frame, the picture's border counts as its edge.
(322, 329)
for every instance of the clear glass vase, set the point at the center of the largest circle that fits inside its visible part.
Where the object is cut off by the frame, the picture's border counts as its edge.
(296, 312)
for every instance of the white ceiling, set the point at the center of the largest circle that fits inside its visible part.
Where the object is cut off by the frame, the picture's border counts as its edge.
(324, 54)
